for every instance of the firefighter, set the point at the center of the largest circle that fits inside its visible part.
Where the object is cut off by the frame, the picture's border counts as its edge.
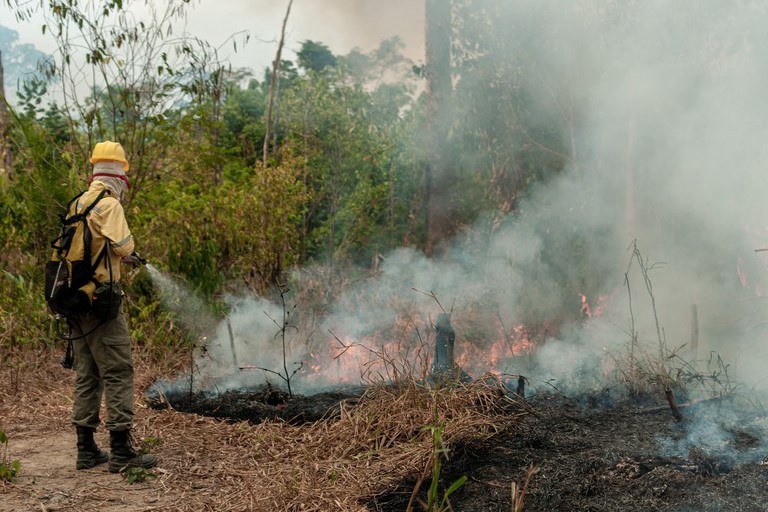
(101, 343)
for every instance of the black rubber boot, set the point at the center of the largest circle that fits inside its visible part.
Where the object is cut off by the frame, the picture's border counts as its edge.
(123, 455)
(88, 454)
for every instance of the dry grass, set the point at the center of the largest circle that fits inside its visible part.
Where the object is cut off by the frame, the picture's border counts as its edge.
(336, 464)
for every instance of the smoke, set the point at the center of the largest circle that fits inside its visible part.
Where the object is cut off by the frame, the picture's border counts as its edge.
(720, 432)
(663, 116)
(363, 23)
(343, 25)
(662, 109)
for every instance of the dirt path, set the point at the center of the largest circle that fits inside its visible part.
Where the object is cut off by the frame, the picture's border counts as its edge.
(50, 482)
(36, 417)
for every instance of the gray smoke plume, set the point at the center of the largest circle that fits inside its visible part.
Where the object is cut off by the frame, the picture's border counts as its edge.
(663, 111)
(720, 432)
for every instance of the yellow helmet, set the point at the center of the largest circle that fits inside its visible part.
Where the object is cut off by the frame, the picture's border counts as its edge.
(109, 151)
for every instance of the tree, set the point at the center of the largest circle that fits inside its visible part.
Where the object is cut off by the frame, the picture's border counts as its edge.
(315, 56)
(274, 84)
(21, 61)
(126, 78)
(5, 126)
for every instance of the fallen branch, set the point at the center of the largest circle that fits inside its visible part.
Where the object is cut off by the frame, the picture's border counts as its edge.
(660, 408)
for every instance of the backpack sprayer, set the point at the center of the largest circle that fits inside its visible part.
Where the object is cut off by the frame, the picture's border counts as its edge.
(105, 304)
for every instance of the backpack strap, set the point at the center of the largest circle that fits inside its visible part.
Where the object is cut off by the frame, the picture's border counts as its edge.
(69, 204)
(76, 217)
(87, 232)
(63, 216)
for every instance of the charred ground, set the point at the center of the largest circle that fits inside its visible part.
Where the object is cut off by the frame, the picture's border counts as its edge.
(595, 456)
(594, 452)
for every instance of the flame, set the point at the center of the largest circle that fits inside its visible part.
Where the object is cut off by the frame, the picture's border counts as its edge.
(585, 310)
(589, 311)
(407, 349)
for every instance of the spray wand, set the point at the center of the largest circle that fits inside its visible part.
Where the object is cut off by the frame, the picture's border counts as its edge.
(136, 261)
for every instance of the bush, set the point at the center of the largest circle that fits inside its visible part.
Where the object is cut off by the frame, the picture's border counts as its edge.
(9, 469)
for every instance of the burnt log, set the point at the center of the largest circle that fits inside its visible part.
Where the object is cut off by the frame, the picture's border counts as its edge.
(444, 369)
(256, 405)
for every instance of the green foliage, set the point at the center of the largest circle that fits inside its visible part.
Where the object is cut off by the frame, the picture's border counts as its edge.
(155, 330)
(137, 475)
(22, 295)
(9, 469)
(436, 503)
(33, 202)
(24, 322)
(359, 184)
(31, 96)
(314, 56)
(244, 228)
(148, 443)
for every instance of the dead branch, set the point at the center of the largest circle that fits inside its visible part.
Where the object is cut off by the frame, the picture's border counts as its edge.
(273, 82)
(661, 408)
(434, 297)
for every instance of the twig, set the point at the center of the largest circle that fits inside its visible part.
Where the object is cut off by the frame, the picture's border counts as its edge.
(232, 342)
(518, 495)
(507, 337)
(673, 404)
(434, 297)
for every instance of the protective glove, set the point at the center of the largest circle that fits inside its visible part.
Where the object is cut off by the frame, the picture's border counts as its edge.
(135, 259)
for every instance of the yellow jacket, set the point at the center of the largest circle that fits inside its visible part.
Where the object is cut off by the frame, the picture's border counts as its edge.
(106, 222)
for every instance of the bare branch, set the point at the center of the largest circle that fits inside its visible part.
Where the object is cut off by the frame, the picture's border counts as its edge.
(273, 83)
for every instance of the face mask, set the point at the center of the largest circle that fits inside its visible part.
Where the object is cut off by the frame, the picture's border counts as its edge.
(116, 185)
(113, 175)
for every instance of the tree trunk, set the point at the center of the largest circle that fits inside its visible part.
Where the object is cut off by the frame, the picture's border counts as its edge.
(438, 178)
(6, 164)
(630, 174)
(273, 84)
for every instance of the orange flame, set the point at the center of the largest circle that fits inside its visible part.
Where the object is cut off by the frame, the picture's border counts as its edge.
(585, 310)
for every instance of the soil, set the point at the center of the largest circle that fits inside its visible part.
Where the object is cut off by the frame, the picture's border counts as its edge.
(49, 481)
(590, 457)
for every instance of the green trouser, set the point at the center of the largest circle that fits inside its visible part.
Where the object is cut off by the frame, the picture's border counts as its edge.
(103, 364)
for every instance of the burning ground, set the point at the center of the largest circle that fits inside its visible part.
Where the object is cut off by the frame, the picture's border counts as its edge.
(596, 424)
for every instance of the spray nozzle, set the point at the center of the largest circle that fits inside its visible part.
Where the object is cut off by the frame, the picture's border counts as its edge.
(135, 259)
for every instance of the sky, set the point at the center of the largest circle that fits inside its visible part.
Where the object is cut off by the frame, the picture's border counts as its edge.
(340, 24)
